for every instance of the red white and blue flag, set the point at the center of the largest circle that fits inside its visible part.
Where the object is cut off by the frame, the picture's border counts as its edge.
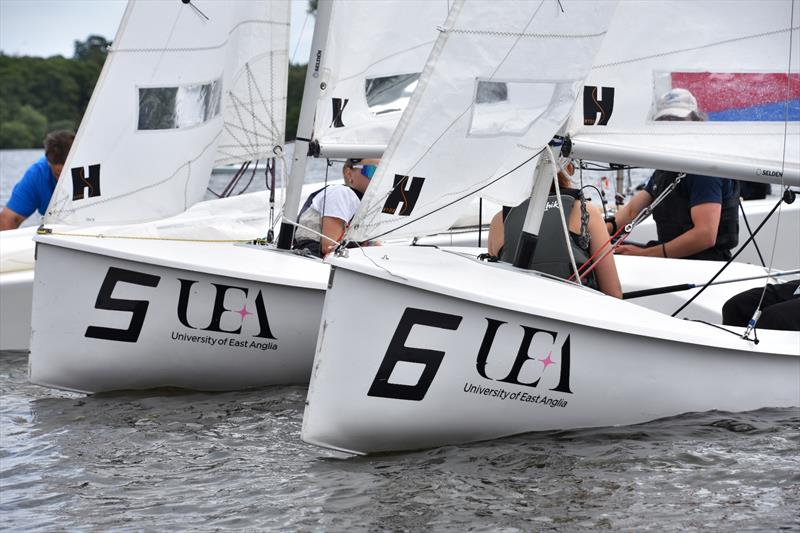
(743, 96)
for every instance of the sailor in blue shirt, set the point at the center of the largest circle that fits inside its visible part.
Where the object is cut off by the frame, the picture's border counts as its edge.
(34, 190)
(699, 218)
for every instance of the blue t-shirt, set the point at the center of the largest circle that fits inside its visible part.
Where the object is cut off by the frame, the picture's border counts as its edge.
(701, 189)
(34, 190)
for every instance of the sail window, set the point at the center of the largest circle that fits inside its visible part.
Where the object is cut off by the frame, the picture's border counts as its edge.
(511, 107)
(390, 94)
(168, 108)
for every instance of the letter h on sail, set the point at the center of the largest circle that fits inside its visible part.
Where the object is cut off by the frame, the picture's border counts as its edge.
(597, 111)
(83, 187)
(400, 195)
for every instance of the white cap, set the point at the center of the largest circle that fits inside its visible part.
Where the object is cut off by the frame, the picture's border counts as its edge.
(676, 103)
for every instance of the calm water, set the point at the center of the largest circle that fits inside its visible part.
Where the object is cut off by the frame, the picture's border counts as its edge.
(172, 460)
(168, 460)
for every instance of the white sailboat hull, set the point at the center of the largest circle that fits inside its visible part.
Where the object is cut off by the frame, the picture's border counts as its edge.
(454, 351)
(121, 315)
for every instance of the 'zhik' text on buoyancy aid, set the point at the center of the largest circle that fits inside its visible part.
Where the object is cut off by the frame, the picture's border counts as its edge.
(551, 255)
(673, 218)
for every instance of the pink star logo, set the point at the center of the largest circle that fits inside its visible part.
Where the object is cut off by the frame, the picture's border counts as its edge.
(548, 360)
(243, 312)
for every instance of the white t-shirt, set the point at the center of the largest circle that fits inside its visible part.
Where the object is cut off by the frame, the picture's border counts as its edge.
(337, 201)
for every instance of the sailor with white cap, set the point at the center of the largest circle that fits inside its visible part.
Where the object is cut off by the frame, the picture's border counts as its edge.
(699, 218)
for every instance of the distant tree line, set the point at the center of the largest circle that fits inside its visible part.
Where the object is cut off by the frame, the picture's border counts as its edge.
(38, 94)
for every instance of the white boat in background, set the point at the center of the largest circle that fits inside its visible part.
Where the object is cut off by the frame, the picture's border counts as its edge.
(16, 287)
(445, 349)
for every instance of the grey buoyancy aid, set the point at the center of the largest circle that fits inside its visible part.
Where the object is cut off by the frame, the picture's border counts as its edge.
(551, 255)
(311, 218)
(673, 218)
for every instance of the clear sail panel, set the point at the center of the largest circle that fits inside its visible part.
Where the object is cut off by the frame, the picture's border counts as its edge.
(166, 108)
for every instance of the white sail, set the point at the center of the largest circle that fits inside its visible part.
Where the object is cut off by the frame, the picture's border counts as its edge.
(186, 87)
(374, 55)
(741, 62)
(501, 80)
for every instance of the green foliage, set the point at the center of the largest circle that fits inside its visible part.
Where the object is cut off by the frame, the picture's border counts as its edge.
(36, 121)
(15, 134)
(94, 50)
(38, 95)
(62, 125)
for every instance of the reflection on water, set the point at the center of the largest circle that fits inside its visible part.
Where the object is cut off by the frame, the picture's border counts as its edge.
(181, 460)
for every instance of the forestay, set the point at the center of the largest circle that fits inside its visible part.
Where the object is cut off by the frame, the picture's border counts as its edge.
(501, 80)
(186, 87)
(739, 59)
(374, 56)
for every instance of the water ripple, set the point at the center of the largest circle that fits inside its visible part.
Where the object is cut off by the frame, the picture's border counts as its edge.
(171, 459)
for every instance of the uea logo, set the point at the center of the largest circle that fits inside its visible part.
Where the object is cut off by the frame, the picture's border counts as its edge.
(432, 359)
(138, 308)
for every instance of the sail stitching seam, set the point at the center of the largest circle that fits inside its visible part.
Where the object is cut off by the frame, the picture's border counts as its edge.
(203, 48)
(529, 35)
(693, 48)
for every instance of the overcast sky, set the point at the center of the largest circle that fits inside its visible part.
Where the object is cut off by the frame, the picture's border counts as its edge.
(49, 27)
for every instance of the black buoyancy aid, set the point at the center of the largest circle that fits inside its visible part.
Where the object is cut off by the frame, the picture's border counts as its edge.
(551, 255)
(673, 217)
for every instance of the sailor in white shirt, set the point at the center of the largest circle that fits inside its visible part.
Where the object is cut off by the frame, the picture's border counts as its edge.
(330, 209)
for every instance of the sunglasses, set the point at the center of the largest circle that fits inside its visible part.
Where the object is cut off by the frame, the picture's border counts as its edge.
(366, 170)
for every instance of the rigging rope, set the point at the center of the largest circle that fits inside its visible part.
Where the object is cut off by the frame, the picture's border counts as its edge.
(46, 231)
(721, 270)
(640, 217)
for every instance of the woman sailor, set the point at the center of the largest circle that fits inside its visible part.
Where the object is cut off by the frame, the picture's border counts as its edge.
(588, 236)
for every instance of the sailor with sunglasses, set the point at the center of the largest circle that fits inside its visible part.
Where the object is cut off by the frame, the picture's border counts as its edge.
(329, 210)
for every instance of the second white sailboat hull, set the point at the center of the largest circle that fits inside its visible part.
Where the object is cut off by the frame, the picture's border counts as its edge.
(472, 351)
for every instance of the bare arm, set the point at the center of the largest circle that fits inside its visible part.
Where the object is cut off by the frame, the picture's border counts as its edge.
(627, 212)
(702, 236)
(333, 229)
(496, 234)
(10, 219)
(606, 269)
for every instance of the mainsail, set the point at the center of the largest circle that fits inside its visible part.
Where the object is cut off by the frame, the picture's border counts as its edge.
(363, 66)
(375, 54)
(453, 141)
(186, 87)
(501, 80)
